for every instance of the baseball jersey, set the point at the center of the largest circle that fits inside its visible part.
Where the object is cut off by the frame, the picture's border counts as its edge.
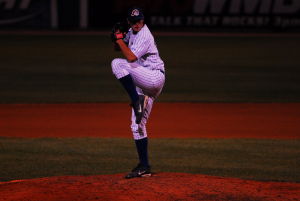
(143, 46)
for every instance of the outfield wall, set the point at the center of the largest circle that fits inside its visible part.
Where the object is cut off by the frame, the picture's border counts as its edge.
(279, 15)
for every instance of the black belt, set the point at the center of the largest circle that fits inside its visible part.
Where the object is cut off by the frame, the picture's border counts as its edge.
(163, 72)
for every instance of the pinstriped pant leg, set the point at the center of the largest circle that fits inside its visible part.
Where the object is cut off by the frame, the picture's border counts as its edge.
(139, 130)
(149, 82)
(119, 67)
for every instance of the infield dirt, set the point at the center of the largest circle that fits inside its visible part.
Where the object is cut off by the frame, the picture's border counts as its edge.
(168, 120)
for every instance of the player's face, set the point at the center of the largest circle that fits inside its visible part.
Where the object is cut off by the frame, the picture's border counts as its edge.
(137, 26)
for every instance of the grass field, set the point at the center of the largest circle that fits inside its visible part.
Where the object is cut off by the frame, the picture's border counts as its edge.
(276, 160)
(70, 68)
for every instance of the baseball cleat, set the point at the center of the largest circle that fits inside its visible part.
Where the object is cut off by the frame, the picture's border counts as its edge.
(139, 171)
(139, 108)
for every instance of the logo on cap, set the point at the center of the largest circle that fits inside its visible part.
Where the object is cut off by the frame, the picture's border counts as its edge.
(135, 12)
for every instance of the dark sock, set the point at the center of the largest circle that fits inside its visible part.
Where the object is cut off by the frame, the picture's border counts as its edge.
(129, 86)
(142, 149)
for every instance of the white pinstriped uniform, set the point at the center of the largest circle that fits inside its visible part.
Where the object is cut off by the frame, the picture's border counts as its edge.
(147, 73)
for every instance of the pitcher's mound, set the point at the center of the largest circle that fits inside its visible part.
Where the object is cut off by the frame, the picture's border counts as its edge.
(161, 186)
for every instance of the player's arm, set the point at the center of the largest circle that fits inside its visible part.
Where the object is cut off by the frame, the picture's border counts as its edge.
(126, 51)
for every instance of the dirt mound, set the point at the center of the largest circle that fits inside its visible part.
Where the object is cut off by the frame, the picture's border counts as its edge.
(161, 186)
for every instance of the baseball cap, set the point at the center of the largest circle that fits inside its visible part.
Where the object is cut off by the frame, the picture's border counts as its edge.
(135, 14)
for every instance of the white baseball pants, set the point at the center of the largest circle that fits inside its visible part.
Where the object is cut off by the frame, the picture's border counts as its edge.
(148, 82)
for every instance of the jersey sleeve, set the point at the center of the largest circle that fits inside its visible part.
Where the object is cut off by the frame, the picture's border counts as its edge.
(141, 45)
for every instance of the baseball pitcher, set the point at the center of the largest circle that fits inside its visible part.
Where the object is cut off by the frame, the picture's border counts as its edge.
(142, 74)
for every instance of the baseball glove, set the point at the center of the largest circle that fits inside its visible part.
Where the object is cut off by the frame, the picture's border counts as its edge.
(119, 31)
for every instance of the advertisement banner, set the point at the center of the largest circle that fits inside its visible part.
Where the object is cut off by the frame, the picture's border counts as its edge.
(236, 13)
(25, 14)
(95, 14)
(218, 13)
